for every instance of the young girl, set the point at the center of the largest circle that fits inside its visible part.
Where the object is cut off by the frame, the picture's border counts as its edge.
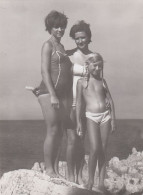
(100, 114)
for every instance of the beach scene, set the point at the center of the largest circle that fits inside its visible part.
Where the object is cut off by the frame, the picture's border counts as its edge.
(116, 33)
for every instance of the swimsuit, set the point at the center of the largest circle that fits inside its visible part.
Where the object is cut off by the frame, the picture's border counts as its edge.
(60, 73)
(79, 71)
(99, 118)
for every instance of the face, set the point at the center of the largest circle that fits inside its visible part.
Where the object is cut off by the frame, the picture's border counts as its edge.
(81, 40)
(57, 32)
(95, 68)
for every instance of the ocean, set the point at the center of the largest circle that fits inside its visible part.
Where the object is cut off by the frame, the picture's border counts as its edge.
(21, 142)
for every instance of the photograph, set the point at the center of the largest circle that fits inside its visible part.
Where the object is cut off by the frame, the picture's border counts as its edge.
(71, 92)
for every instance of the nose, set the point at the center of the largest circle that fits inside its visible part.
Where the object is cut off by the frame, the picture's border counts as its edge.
(80, 40)
(97, 68)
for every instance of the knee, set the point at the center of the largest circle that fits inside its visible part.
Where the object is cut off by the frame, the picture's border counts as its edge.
(52, 131)
(71, 140)
(94, 151)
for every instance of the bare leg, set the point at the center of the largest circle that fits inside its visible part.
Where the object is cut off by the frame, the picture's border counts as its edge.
(95, 144)
(104, 129)
(53, 133)
(75, 152)
(80, 160)
(56, 165)
(71, 147)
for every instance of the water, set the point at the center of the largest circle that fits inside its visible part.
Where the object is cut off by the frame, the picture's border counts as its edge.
(21, 142)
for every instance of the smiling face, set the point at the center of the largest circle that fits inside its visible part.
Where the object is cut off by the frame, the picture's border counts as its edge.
(95, 66)
(81, 40)
(57, 32)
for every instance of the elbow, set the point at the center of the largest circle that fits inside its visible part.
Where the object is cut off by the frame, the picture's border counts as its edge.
(44, 74)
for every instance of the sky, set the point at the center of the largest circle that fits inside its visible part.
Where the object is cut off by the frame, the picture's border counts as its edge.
(117, 34)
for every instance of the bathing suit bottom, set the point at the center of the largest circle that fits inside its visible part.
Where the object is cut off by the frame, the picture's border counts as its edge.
(99, 118)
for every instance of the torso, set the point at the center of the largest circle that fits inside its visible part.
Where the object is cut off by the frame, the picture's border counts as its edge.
(95, 96)
(77, 57)
(60, 70)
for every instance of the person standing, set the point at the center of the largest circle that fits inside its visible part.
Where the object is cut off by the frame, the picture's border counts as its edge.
(100, 114)
(54, 92)
(81, 34)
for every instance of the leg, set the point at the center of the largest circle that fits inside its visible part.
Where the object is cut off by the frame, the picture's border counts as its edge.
(75, 152)
(80, 155)
(79, 160)
(95, 144)
(53, 133)
(56, 165)
(104, 129)
(70, 156)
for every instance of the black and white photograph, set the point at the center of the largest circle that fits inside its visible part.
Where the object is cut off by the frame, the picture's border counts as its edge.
(71, 93)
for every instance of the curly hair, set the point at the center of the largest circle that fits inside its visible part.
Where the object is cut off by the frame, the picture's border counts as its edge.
(81, 26)
(55, 19)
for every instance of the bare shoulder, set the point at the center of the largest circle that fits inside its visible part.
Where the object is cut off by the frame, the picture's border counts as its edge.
(104, 82)
(47, 46)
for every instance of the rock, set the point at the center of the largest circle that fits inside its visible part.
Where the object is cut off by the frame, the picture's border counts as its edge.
(33, 182)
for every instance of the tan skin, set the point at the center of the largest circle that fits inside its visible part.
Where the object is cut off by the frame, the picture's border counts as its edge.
(82, 42)
(54, 105)
(94, 97)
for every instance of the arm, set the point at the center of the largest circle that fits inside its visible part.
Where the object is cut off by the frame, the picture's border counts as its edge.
(109, 97)
(45, 71)
(79, 101)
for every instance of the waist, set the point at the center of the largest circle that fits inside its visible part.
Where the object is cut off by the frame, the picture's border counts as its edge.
(98, 107)
(61, 89)
(97, 113)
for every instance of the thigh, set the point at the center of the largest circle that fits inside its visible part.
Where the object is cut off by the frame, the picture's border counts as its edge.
(50, 114)
(105, 129)
(94, 136)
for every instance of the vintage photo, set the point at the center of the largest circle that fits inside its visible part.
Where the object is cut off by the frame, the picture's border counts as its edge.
(71, 112)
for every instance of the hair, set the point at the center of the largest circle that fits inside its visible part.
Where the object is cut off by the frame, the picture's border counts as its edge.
(55, 19)
(94, 57)
(81, 26)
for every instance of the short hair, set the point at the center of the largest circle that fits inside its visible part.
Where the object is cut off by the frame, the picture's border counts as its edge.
(55, 19)
(81, 26)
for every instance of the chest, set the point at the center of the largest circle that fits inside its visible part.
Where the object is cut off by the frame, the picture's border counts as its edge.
(94, 88)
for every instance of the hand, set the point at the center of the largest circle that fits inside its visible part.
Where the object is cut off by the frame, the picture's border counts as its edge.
(55, 102)
(36, 91)
(79, 130)
(113, 125)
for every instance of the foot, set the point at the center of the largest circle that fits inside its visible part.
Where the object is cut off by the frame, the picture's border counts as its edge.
(79, 180)
(42, 166)
(71, 178)
(60, 176)
(51, 173)
(100, 190)
(88, 186)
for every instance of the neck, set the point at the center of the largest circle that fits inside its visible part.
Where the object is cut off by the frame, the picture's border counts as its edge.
(97, 77)
(57, 40)
(85, 50)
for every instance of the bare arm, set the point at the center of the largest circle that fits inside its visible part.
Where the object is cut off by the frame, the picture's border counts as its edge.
(109, 97)
(45, 71)
(79, 102)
